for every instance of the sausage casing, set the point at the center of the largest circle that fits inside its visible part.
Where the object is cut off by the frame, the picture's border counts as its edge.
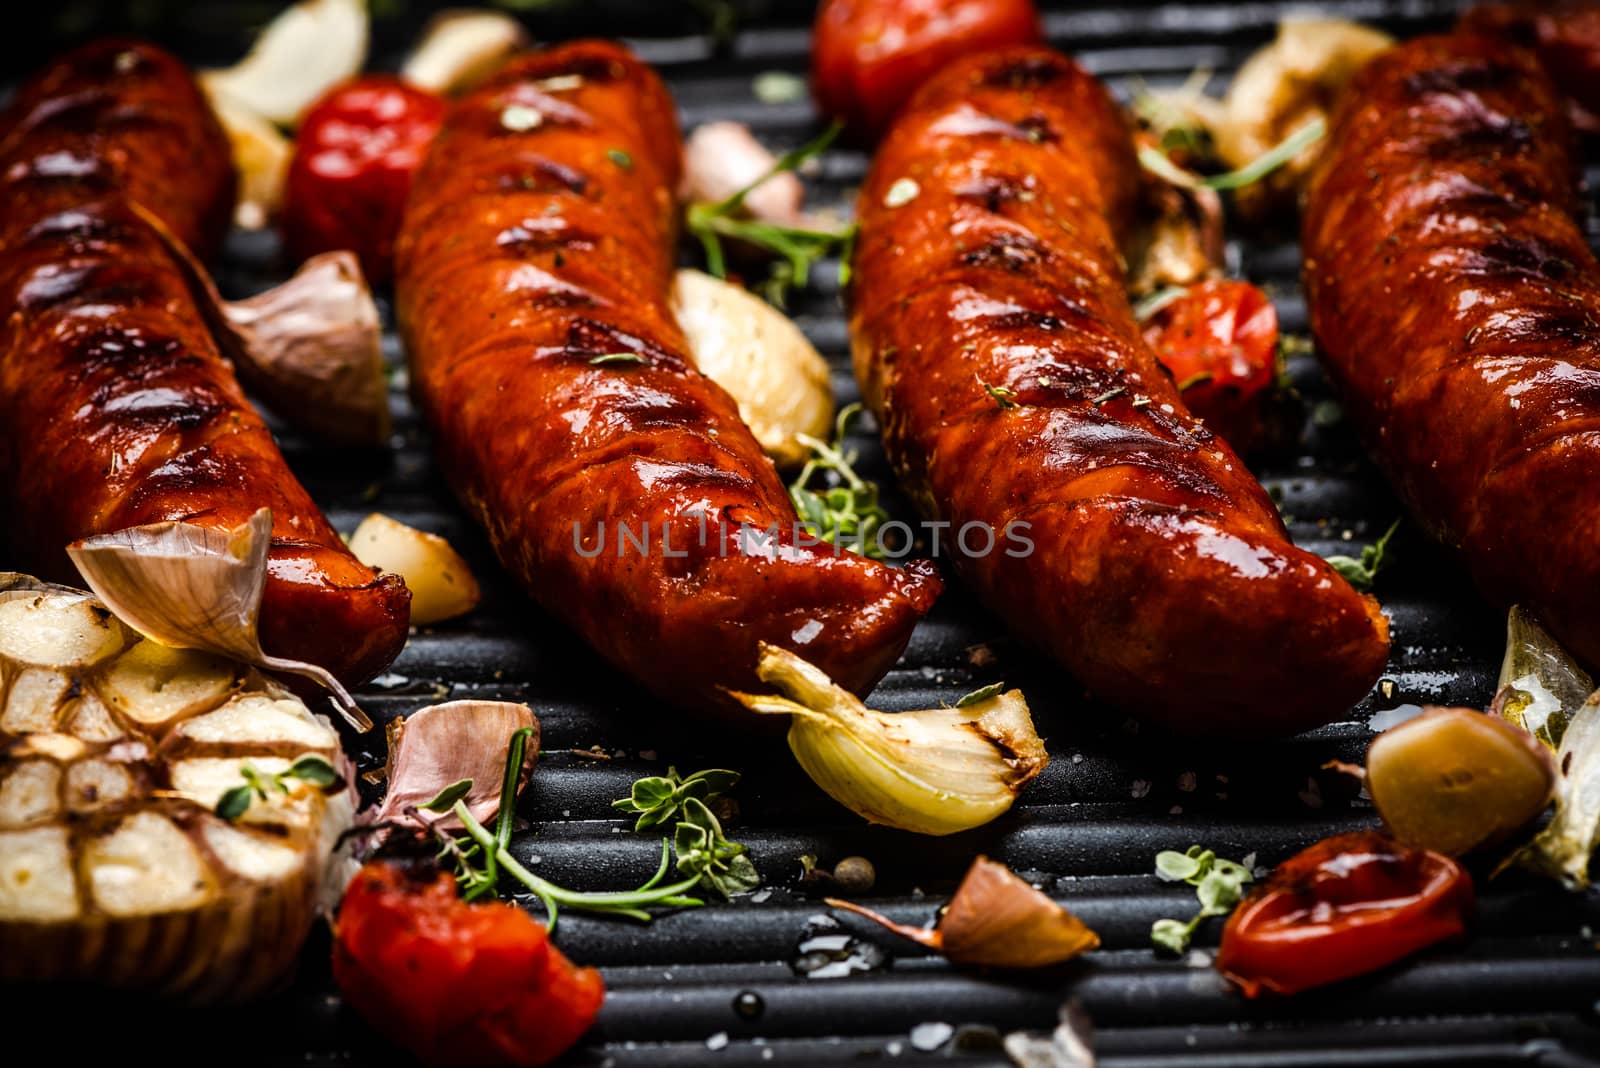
(992, 334)
(116, 408)
(616, 481)
(1457, 305)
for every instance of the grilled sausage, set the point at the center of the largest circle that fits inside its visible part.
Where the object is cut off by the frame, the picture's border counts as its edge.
(1566, 38)
(533, 269)
(1457, 306)
(116, 408)
(992, 335)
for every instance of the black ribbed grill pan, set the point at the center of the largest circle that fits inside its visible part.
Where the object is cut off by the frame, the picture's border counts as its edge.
(1523, 989)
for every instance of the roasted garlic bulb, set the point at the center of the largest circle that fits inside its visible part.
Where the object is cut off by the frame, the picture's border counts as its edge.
(114, 755)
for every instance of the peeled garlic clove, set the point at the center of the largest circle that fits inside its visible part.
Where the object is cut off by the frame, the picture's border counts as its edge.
(441, 584)
(935, 771)
(302, 53)
(1453, 779)
(260, 155)
(192, 587)
(460, 48)
(761, 357)
(153, 684)
(721, 158)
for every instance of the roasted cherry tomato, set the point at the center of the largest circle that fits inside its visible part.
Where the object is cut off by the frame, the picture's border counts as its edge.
(1219, 341)
(355, 155)
(1349, 905)
(457, 983)
(869, 56)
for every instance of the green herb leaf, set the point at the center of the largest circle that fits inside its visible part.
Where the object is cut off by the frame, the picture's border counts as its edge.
(610, 358)
(234, 803)
(445, 799)
(658, 799)
(315, 771)
(1374, 558)
(980, 695)
(847, 513)
(620, 158)
(1154, 302)
(1171, 935)
(797, 247)
(1157, 163)
(1003, 396)
(1175, 867)
(778, 87)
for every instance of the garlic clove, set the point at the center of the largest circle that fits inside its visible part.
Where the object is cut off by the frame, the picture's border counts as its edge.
(445, 743)
(935, 771)
(311, 347)
(260, 155)
(442, 585)
(193, 587)
(721, 158)
(758, 355)
(459, 49)
(302, 53)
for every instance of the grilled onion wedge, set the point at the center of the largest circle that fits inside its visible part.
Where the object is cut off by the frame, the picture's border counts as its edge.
(115, 869)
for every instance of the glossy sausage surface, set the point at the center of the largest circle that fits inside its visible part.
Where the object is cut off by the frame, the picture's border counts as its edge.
(992, 335)
(1457, 304)
(533, 271)
(116, 408)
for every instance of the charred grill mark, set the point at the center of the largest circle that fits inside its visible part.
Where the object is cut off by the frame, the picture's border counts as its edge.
(1507, 258)
(56, 285)
(77, 229)
(166, 408)
(543, 176)
(198, 472)
(1462, 76)
(1007, 251)
(1024, 319)
(994, 191)
(62, 167)
(543, 234)
(588, 338)
(113, 347)
(1574, 326)
(1028, 72)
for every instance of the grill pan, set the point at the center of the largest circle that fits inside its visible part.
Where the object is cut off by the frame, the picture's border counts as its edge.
(1523, 989)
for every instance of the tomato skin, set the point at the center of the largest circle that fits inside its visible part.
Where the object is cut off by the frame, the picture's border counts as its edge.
(453, 982)
(1346, 906)
(869, 56)
(1219, 341)
(356, 153)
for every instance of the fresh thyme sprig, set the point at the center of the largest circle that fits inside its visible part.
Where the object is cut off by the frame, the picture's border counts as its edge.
(658, 798)
(313, 770)
(1376, 557)
(1218, 883)
(848, 511)
(1156, 162)
(705, 857)
(797, 247)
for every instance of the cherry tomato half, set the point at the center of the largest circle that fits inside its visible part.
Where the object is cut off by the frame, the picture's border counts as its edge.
(453, 982)
(869, 56)
(1349, 905)
(357, 150)
(1219, 341)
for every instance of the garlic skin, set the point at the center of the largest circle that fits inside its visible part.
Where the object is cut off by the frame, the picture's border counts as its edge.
(936, 771)
(759, 355)
(459, 49)
(721, 158)
(192, 587)
(114, 870)
(303, 52)
(442, 585)
(445, 743)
